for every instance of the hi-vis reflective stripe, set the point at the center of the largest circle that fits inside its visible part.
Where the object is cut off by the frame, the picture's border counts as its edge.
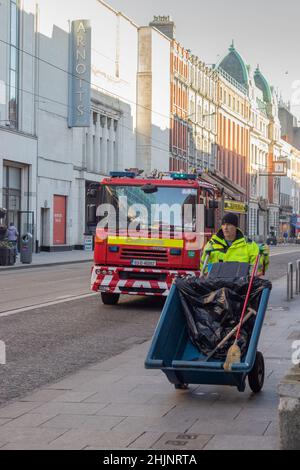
(164, 242)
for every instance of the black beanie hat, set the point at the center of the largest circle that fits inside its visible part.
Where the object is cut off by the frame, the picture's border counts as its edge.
(230, 219)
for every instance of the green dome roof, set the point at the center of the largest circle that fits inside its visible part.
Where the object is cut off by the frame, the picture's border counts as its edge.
(235, 66)
(263, 85)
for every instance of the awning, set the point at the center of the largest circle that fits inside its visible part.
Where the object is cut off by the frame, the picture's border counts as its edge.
(236, 193)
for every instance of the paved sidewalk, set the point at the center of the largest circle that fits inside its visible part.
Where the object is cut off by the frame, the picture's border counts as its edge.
(54, 258)
(117, 404)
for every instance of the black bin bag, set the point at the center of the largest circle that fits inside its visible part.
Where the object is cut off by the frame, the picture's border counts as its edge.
(213, 306)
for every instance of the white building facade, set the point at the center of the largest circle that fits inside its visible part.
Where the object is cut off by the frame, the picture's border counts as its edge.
(72, 158)
(258, 165)
(18, 136)
(62, 58)
(153, 101)
(203, 101)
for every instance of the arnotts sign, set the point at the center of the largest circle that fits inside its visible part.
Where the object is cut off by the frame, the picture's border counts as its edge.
(80, 76)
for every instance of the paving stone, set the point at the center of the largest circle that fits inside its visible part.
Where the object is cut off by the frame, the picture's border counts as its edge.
(225, 442)
(183, 441)
(4, 421)
(205, 412)
(72, 381)
(29, 436)
(43, 396)
(26, 445)
(98, 384)
(72, 397)
(141, 380)
(16, 409)
(116, 397)
(101, 423)
(70, 408)
(135, 410)
(81, 439)
(178, 423)
(263, 415)
(273, 429)
(116, 394)
(29, 420)
(136, 424)
(230, 427)
(145, 441)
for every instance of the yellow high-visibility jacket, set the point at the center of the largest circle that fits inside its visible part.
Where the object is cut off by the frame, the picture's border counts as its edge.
(242, 250)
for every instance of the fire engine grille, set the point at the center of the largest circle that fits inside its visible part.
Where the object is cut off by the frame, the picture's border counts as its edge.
(152, 254)
(160, 277)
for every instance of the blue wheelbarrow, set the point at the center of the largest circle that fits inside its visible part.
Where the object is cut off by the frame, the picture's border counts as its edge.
(173, 352)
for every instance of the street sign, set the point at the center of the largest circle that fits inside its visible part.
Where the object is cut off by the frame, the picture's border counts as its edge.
(279, 169)
(88, 242)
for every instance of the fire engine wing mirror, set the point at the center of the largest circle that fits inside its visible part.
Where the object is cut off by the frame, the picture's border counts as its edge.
(149, 189)
(210, 218)
(213, 204)
(92, 214)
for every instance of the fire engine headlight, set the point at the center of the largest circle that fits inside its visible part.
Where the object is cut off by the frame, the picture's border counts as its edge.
(98, 272)
(114, 249)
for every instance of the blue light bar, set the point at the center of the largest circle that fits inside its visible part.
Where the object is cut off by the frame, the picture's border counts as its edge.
(122, 174)
(183, 176)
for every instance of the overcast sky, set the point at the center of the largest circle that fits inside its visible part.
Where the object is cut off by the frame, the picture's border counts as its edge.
(265, 32)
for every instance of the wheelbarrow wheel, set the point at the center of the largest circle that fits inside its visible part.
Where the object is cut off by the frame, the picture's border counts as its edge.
(257, 375)
(181, 386)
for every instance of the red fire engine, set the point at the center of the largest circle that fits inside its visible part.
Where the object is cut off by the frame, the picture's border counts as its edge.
(140, 245)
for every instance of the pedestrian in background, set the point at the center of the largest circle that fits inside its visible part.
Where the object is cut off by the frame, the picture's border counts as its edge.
(12, 235)
(285, 237)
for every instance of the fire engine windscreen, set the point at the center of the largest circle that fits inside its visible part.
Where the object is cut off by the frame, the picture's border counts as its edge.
(170, 209)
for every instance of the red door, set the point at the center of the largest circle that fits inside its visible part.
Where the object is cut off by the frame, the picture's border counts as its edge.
(59, 220)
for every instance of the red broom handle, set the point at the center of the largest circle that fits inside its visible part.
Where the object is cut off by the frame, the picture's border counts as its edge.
(247, 298)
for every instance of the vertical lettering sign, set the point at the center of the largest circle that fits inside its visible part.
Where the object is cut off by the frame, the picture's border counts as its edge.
(80, 79)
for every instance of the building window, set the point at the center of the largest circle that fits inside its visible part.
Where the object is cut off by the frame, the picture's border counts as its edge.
(14, 64)
(12, 192)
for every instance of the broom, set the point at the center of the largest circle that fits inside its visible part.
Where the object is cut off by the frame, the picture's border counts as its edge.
(234, 352)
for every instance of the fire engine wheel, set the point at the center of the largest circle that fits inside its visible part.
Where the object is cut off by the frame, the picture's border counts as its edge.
(110, 299)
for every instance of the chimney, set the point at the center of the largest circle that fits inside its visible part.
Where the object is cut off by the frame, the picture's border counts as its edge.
(165, 25)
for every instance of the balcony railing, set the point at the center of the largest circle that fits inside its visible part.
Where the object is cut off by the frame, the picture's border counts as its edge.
(232, 81)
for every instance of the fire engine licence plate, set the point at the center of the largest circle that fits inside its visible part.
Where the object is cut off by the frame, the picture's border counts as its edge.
(143, 262)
